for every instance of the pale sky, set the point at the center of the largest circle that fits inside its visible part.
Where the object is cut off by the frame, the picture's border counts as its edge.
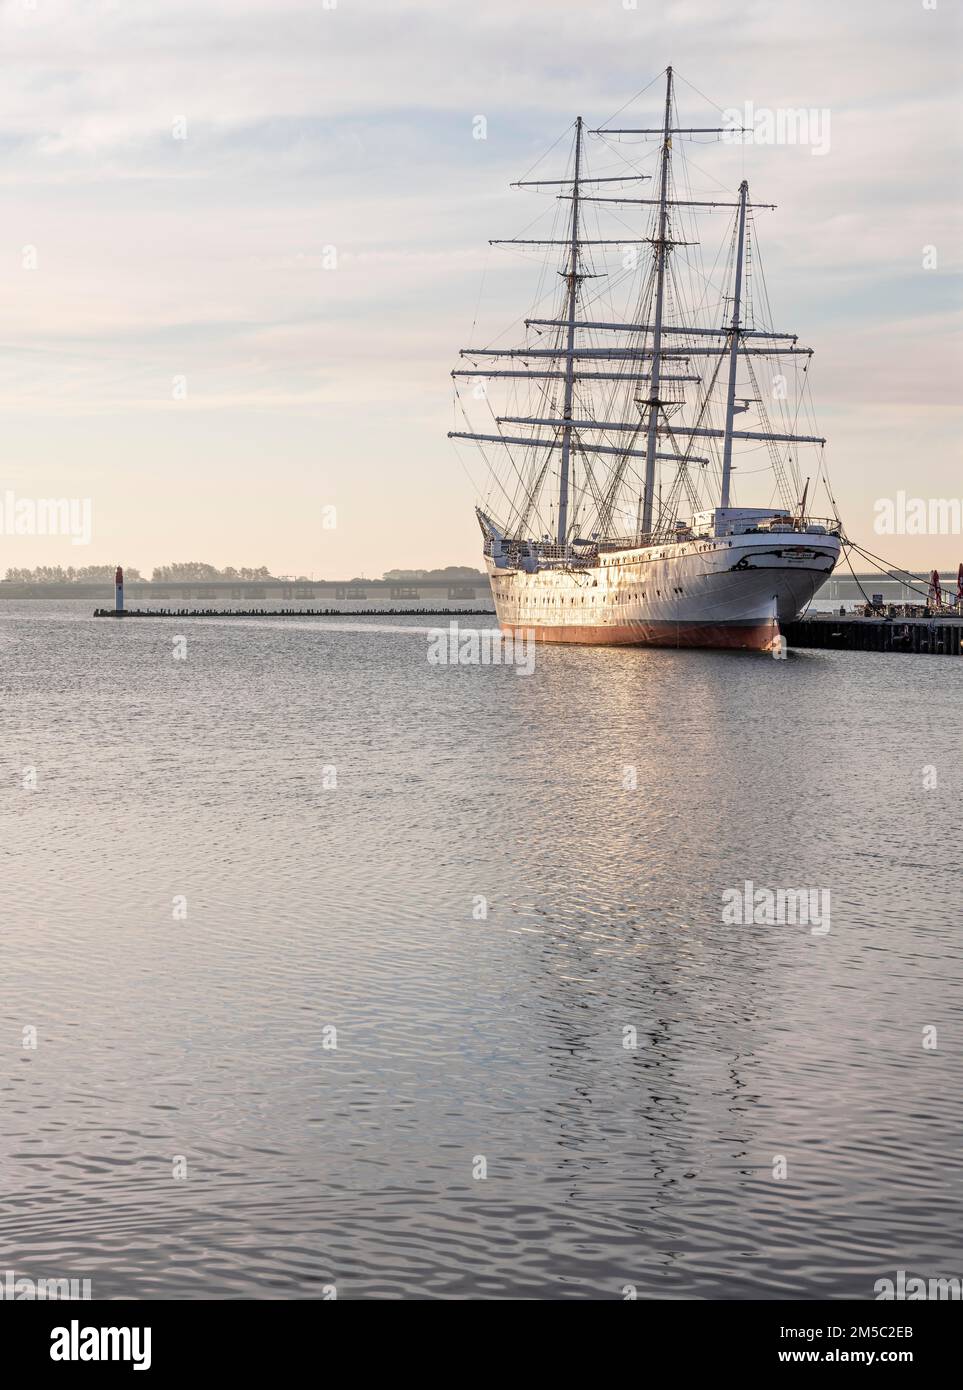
(160, 262)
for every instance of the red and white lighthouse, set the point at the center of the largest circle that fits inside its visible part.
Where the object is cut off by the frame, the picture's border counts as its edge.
(119, 590)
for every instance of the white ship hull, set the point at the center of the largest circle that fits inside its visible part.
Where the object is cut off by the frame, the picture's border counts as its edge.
(584, 462)
(728, 591)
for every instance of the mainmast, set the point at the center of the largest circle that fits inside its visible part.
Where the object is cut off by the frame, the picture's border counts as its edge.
(651, 440)
(734, 328)
(570, 358)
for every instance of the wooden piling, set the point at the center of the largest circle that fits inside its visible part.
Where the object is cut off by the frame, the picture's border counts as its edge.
(935, 636)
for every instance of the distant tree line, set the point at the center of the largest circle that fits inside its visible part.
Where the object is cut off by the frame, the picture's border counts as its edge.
(56, 574)
(193, 571)
(449, 572)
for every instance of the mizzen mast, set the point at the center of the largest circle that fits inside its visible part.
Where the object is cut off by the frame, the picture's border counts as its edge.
(562, 438)
(734, 328)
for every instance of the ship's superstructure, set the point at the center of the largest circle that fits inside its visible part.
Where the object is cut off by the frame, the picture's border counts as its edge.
(611, 515)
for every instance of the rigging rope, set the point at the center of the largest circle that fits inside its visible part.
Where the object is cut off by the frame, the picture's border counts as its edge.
(880, 563)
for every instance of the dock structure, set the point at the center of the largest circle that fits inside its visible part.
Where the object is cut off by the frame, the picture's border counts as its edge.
(938, 635)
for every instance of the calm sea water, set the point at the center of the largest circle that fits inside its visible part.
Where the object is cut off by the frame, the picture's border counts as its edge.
(469, 1042)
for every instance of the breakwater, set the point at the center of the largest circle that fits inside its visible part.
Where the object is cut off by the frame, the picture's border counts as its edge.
(294, 613)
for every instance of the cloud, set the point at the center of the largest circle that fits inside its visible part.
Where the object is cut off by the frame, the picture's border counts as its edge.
(308, 127)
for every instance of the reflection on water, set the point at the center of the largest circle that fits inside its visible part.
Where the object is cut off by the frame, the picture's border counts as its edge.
(509, 876)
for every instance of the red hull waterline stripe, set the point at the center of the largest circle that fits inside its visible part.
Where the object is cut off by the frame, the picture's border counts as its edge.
(755, 637)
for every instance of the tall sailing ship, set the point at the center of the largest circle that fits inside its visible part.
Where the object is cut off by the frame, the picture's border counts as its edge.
(612, 513)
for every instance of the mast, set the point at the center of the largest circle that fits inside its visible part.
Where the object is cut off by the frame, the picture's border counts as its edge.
(570, 358)
(650, 444)
(641, 345)
(734, 349)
